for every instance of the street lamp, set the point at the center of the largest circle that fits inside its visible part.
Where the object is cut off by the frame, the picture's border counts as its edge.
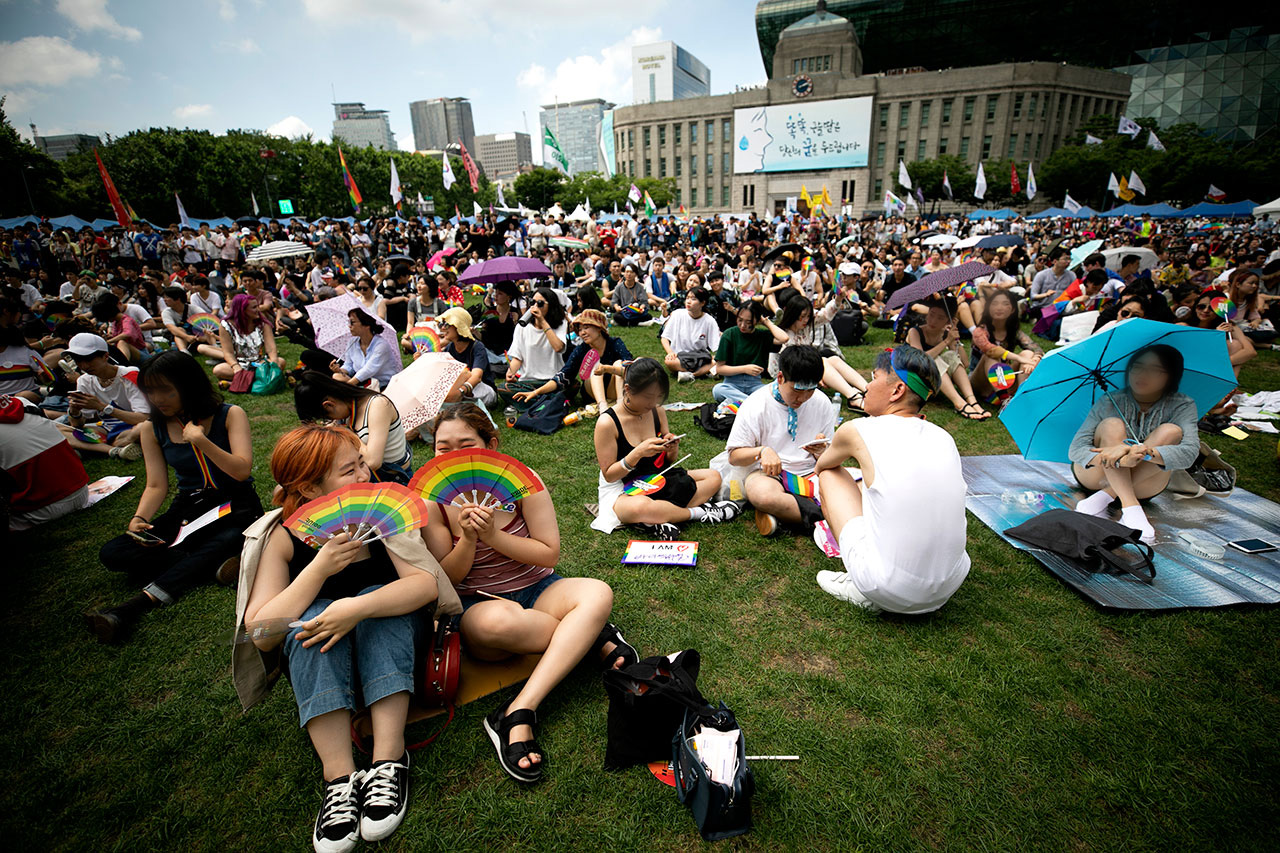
(23, 172)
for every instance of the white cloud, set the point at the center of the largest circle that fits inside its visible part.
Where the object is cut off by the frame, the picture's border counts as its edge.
(290, 127)
(424, 19)
(47, 60)
(91, 15)
(244, 45)
(226, 10)
(193, 111)
(605, 75)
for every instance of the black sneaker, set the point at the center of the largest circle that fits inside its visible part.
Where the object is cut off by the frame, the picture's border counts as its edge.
(385, 792)
(664, 532)
(720, 511)
(338, 824)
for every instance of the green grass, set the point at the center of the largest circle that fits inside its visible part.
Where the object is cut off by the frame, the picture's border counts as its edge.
(1019, 717)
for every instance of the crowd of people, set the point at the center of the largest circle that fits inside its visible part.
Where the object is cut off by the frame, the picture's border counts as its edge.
(120, 344)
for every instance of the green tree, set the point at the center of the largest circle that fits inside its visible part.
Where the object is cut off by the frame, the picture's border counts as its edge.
(539, 188)
(30, 180)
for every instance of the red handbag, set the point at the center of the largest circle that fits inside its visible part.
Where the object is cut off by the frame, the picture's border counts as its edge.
(438, 676)
(241, 382)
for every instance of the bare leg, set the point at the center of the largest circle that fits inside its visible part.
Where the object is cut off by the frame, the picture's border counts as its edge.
(388, 715)
(708, 485)
(846, 372)
(948, 390)
(331, 736)
(965, 315)
(841, 497)
(224, 371)
(672, 363)
(766, 494)
(961, 380)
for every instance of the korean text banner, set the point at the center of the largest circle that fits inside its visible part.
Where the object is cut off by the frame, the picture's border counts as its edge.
(793, 137)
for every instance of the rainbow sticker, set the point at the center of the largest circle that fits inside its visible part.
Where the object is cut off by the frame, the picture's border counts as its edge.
(1223, 307)
(425, 338)
(205, 323)
(796, 485)
(91, 433)
(647, 486)
(728, 407)
(366, 511)
(1001, 376)
(475, 476)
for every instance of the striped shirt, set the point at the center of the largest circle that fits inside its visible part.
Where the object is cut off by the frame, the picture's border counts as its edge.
(495, 572)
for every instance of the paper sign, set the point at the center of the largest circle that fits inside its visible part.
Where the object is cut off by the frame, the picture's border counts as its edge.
(202, 521)
(660, 553)
(1236, 433)
(109, 485)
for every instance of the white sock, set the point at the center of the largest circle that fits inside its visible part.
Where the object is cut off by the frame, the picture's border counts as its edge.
(696, 513)
(1095, 504)
(1136, 518)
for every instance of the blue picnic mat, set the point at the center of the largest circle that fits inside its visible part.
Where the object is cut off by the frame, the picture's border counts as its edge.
(1004, 491)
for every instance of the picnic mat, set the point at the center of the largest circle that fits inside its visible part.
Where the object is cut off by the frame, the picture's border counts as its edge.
(1183, 580)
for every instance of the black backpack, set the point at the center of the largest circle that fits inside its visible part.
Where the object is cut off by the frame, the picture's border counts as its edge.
(850, 327)
(546, 415)
(717, 426)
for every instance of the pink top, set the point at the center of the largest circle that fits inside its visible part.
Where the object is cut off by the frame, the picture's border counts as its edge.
(132, 332)
(494, 572)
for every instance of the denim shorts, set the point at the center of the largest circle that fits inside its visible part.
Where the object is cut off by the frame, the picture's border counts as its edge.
(524, 597)
(378, 655)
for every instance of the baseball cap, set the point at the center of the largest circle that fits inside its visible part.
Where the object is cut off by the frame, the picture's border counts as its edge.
(86, 345)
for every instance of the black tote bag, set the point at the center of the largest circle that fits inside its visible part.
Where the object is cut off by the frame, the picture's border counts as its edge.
(647, 703)
(1088, 540)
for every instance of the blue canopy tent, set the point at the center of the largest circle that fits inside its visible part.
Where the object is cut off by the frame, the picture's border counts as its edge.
(103, 224)
(1214, 211)
(1086, 213)
(18, 220)
(1159, 210)
(1050, 213)
(1002, 213)
(75, 223)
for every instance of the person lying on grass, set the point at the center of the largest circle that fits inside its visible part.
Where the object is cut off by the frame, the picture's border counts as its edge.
(360, 609)
(899, 520)
(503, 566)
(633, 443)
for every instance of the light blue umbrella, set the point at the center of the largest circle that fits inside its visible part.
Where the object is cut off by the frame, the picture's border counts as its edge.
(1084, 250)
(1054, 400)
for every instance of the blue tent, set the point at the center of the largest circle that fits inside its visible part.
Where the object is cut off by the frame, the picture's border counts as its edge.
(103, 224)
(75, 223)
(18, 220)
(1206, 208)
(1159, 210)
(1086, 213)
(1002, 213)
(1050, 213)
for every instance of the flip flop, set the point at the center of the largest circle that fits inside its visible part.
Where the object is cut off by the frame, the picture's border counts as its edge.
(970, 416)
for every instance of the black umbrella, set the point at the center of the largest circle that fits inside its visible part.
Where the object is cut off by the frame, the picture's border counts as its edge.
(1001, 241)
(938, 282)
(928, 232)
(398, 258)
(248, 220)
(781, 248)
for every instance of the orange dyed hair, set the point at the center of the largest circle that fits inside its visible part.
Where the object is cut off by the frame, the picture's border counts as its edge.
(303, 456)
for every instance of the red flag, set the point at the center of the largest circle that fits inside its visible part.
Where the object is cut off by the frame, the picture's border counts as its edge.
(473, 173)
(1014, 185)
(457, 214)
(122, 216)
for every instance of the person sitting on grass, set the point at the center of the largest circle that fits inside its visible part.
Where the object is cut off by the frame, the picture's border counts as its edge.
(123, 331)
(629, 300)
(689, 337)
(1240, 348)
(460, 342)
(503, 566)
(107, 407)
(597, 356)
(899, 520)
(360, 609)
(246, 339)
(370, 415)
(41, 477)
(649, 450)
(743, 354)
(538, 346)
(1133, 439)
(186, 339)
(207, 444)
(998, 339)
(804, 326)
(369, 358)
(938, 338)
(781, 429)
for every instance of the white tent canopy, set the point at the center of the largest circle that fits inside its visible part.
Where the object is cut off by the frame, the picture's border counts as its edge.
(1272, 207)
(579, 215)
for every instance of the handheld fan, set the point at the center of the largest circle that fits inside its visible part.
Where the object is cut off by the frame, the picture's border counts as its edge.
(475, 476)
(1223, 307)
(41, 369)
(654, 483)
(365, 511)
(205, 323)
(1001, 376)
(796, 485)
(425, 338)
(91, 433)
(728, 407)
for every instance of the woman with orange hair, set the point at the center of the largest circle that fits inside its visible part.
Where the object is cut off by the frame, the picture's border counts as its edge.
(352, 609)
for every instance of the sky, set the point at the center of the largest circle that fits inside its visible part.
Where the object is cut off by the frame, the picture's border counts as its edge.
(111, 66)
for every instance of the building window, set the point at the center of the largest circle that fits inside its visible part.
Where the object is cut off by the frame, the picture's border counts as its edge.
(795, 67)
(904, 115)
(646, 137)
(662, 135)
(631, 138)
(879, 188)
(1039, 142)
(648, 169)
(710, 164)
(711, 126)
(1017, 105)
(662, 167)
(693, 196)
(693, 133)
(724, 164)
(942, 145)
(1062, 105)
(964, 147)
(679, 165)
(679, 196)
(986, 147)
(992, 102)
(968, 108)
(884, 116)
(693, 164)
(924, 113)
(879, 153)
(745, 203)
(1031, 106)
(1044, 105)
(676, 130)
(724, 196)
(1013, 146)
(726, 130)
(946, 111)
(1026, 145)
(902, 150)
(920, 150)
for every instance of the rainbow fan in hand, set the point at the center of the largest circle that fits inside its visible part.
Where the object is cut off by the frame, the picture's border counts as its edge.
(1223, 307)
(647, 486)
(728, 407)
(205, 323)
(41, 369)
(91, 433)
(425, 338)
(365, 511)
(797, 485)
(475, 476)
(1001, 376)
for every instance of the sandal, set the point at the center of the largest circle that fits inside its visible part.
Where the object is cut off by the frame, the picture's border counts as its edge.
(856, 407)
(968, 415)
(498, 726)
(621, 648)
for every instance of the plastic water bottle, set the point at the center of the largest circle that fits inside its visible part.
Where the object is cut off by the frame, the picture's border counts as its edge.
(572, 418)
(511, 414)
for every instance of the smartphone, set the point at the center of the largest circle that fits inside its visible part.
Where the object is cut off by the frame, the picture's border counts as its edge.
(676, 438)
(1252, 546)
(145, 537)
(819, 442)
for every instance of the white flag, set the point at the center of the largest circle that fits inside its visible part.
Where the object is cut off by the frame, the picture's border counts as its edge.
(449, 179)
(502, 199)
(475, 208)
(1135, 183)
(903, 177)
(1154, 143)
(1129, 127)
(254, 199)
(911, 201)
(182, 214)
(396, 195)
(588, 205)
(422, 202)
(551, 150)
(1031, 182)
(1114, 184)
(1071, 205)
(946, 185)
(1215, 194)
(980, 185)
(634, 194)
(892, 202)
(1090, 139)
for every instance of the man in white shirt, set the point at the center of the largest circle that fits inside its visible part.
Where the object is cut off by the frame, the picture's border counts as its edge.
(201, 299)
(899, 519)
(690, 336)
(107, 403)
(783, 428)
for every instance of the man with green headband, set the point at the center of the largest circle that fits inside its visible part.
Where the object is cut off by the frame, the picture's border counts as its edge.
(899, 520)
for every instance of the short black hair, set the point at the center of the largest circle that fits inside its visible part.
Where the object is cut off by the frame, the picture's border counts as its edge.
(1057, 253)
(1170, 359)
(314, 387)
(700, 294)
(643, 373)
(366, 319)
(912, 360)
(1130, 259)
(186, 374)
(801, 363)
(1098, 277)
(105, 308)
(1095, 258)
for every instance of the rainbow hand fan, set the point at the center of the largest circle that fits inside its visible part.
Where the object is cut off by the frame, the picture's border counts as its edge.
(42, 371)
(365, 511)
(425, 338)
(728, 407)
(205, 323)
(797, 485)
(652, 484)
(1223, 307)
(475, 476)
(1001, 376)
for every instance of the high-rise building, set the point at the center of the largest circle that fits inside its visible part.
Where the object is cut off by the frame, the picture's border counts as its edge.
(358, 127)
(504, 155)
(63, 145)
(441, 122)
(576, 125)
(664, 71)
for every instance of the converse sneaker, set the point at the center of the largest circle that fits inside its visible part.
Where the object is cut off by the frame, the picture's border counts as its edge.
(338, 824)
(684, 376)
(719, 511)
(841, 585)
(386, 797)
(664, 532)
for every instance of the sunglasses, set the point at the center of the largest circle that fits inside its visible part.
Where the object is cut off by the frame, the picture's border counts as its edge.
(365, 289)
(1128, 313)
(541, 302)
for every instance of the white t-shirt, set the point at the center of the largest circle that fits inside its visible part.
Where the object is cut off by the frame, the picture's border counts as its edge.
(915, 515)
(66, 292)
(122, 392)
(16, 369)
(762, 422)
(537, 359)
(686, 334)
(211, 304)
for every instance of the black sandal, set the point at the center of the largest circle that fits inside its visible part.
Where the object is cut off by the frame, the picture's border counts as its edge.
(498, 726)
(622, 649)
(968, 415)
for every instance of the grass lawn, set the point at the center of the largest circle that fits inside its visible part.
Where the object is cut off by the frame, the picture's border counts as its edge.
(1019, 717)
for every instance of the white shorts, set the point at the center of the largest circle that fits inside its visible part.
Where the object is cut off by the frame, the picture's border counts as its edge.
(856, 550)
(892, 590)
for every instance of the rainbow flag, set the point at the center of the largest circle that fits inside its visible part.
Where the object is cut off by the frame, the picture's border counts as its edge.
(353, 191)
(128, 208)
(807, 264)
(796, 485)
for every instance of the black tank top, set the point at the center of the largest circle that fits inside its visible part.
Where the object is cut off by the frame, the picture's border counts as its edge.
(648, 466)
(377, 569)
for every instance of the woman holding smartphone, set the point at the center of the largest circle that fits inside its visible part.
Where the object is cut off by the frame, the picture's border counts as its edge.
(207, 444)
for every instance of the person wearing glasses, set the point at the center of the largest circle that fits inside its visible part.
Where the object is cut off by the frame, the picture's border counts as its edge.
(369, 298)
(1239, 348)
(460, 342)
(1129, 307)
(1132, 439)
(538, 347)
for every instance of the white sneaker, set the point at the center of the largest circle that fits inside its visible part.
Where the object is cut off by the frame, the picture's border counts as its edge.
(684, 376)
(840, 584)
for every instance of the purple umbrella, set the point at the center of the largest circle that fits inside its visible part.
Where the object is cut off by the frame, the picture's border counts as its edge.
(506, 268)
(938, 282)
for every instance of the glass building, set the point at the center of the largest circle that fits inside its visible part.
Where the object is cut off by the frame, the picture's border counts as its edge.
(576, 125)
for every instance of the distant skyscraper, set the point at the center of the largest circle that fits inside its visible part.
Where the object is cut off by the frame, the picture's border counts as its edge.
(358, 127)
(441, 122)
(63, 145)
(504, 155)
(577, 127)
(664, 71)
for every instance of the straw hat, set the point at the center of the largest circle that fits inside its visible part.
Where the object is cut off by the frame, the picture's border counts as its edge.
(591, 317)
(460, 320)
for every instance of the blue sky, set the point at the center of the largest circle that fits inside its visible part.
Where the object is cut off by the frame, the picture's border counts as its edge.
(110, 66)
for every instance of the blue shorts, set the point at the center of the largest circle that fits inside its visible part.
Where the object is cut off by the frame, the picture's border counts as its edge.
(526, 597)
